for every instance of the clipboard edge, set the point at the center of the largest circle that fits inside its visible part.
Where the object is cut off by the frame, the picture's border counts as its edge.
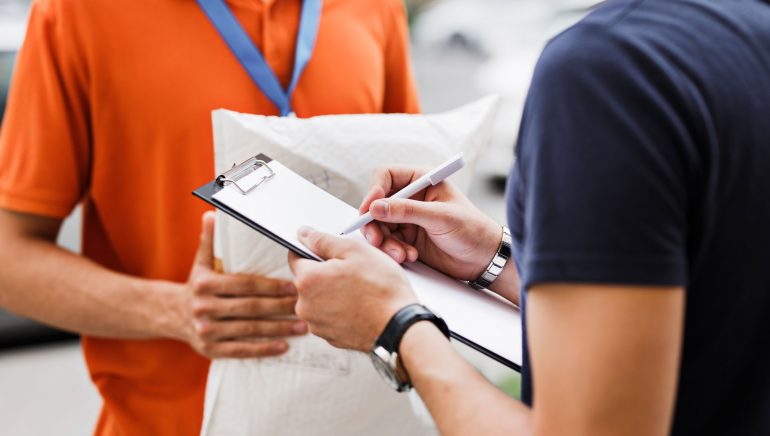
(491, 354)
(206, 193)
(213, 187)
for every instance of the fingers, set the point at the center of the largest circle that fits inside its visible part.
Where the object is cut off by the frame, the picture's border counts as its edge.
(399, 250)
(242, 308)
(212, 331)
(375, 193)
(241, 285)
(205, 255)
(299, 265)
(387, 180)
(324, 244)
(244, 349)
(399, 210)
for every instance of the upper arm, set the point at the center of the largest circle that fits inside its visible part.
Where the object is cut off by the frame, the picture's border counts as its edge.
(605, 358)
(18, 226)
(605, 165)
(606, 162)
(45, 139)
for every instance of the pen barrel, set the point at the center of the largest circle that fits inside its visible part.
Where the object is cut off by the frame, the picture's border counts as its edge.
(360, 222)
(413, 188)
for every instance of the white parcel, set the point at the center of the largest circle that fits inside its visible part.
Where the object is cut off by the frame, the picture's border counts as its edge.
(315, 389)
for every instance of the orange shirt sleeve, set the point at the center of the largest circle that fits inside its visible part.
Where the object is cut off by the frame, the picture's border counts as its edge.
(400, 89)
(44, 141)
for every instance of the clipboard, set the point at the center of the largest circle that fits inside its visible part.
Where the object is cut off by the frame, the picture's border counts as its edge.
(238, 172)
(479, 319)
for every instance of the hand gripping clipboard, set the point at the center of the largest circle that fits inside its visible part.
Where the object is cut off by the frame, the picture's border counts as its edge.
(273, 200)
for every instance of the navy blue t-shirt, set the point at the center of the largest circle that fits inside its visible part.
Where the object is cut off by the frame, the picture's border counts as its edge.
(644, 159)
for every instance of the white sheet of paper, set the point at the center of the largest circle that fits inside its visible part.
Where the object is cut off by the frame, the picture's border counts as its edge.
(287, 201)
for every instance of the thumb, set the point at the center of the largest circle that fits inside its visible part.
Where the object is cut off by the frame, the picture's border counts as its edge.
(205, 255)
(427, 214)
(325, 245)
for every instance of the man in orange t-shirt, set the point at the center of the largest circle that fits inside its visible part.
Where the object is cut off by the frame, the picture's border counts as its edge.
(110, 107)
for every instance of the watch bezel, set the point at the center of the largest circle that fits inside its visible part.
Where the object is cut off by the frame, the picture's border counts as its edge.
(384, 352)
(385, 363)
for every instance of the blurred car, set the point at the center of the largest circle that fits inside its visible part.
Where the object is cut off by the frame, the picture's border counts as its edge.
(14, 330)
(12, 25)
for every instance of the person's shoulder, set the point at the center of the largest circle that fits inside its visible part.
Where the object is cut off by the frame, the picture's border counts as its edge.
(385, 9)
(391, 10)
(63, 11)
(60, 6)
(389, 6)
(380, 15)
(633, 36)
(615, 39)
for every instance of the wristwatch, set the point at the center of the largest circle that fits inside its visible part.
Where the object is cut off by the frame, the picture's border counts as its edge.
(384, 353)
(498, 262)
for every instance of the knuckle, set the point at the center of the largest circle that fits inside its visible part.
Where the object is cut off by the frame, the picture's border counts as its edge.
(240, 353)
(407, 210)
(287, 305)
(381, 174)
(208, 349)
(259, 283)
(273, 328)
(200, 308)
(256, 306)
(202, 284)
(204, 330)
(320, 243)
(305, 281)
(301, 309)
(256, 329)
(300, 282)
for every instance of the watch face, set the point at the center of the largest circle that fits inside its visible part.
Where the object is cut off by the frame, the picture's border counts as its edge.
(383, 367)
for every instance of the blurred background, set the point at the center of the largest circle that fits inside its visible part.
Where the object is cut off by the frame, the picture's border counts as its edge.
(461, 50)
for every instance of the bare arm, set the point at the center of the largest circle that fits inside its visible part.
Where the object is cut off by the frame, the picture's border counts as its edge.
(604, 358)
(49, 284)
(52, 285)
(605, 362)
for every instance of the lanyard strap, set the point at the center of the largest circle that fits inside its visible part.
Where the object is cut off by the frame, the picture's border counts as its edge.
(252, 60)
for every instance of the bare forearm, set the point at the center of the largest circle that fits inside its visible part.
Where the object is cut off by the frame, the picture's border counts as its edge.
(44, 282)
(508, 283)
(461, 401)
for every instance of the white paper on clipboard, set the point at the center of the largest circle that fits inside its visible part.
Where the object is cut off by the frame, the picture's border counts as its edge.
(287, 201)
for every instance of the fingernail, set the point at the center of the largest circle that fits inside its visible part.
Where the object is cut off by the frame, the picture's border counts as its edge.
(304, 231)
(280, 346)
(393, 254)
(289, 288)
(369, 237)
(379, 209)
(299, 327)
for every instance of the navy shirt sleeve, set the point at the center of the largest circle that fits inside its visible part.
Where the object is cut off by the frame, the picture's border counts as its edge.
(603, 169)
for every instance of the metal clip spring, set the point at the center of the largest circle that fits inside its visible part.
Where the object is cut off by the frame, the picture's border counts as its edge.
(237, 172)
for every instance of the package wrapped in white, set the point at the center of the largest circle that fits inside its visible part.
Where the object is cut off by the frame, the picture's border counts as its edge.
(315, 389)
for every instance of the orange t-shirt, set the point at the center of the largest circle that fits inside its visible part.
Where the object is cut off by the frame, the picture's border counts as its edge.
(110, 105)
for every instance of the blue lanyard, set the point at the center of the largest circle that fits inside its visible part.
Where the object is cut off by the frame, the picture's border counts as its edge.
(249, 56)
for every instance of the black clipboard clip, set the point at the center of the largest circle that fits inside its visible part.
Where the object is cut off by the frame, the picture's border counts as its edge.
(243, 169)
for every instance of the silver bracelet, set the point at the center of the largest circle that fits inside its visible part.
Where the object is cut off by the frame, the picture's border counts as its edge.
(498, 262)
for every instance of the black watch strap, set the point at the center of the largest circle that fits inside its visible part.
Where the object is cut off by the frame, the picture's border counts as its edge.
(391, 336)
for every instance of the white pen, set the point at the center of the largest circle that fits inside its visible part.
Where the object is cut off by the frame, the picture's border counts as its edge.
(434, 177)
